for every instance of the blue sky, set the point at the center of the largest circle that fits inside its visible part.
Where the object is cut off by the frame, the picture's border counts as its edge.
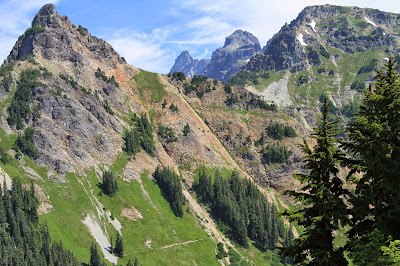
(151, 34)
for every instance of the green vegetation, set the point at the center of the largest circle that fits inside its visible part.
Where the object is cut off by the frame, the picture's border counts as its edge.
(140, 135)
(241, 209)
(19, 108)
(24, 144)
(102, 75)
(170, 184)
(23, 241)
(368, 68)
(149, 85)
(180, 76)
(357, 85)
(302, 80)
(82, 31)
(232, 99)
(186, 129)
(166, 133)
(174, 108)
(244, 77)
(35, 29)
(373, 138)
(275, 154)
(324, 208)
(324, 52)
(221, 252)
(279, 131)
(119, 247)
(109, 185)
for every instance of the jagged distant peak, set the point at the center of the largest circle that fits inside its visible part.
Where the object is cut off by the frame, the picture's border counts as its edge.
(241, 36)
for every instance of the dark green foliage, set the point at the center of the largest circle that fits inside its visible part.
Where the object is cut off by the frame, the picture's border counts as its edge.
(331, 73)
(141, 135)
(164, 104)
(6, 69)
(358, 85)
(166, 133)
(368, 68)
(95, 259)
(278, 131)
(22, 240)
(179, 76)
(4, 157)
(259, 102)
(374, 142)
(186, 129)
(35, 29)
(6, 82)
(102, 75)
(19, 108)
(170, 184)
(109, 185)
(323, 201)
(302, 80)
(241, 209)
(362, 24)
(107, 107)
(313, 56)
(174, 108)
(228, 88)
(82, 31)
(324, 52)
(232, 99)
(119, 247)
(221, 251)
(244, 77)
(350, 109)
(24, 143)
(275, 154)
(198, 79)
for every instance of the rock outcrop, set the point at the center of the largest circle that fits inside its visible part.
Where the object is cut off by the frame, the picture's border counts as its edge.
(239, 47)
(296, 45)
(189, 66)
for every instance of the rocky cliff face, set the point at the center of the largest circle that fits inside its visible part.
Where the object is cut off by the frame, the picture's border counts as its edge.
(239, 47)
(317, 28)
(189, 66)
(74, 131)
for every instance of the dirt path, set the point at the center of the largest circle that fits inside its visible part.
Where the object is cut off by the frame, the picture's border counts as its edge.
(181, 243)
(209, 225)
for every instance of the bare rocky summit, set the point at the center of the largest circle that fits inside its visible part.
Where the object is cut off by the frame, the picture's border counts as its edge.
(239, 47)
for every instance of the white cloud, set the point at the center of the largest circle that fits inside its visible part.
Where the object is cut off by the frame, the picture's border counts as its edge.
(15, 17)
(144, 50)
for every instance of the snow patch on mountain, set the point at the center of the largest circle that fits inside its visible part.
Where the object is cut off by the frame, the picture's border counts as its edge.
(299, 37)
(370, 22)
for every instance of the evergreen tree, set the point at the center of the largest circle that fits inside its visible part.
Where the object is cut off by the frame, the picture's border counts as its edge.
(322, 197)
(94, 256)
(374, 140)
(109, 184)
(170, 184)
(186, 129)
(119, 248)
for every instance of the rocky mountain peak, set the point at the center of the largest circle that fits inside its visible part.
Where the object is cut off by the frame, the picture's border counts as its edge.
(239, 47)
(47, 10)
(189, 66)
(240, 38)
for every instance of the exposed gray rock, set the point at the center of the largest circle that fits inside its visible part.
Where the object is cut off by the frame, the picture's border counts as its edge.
(239, 47)
(296, 45)
(189, 66)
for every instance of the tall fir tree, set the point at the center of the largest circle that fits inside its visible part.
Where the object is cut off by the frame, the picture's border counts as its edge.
(374, 141)
(323, 199)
